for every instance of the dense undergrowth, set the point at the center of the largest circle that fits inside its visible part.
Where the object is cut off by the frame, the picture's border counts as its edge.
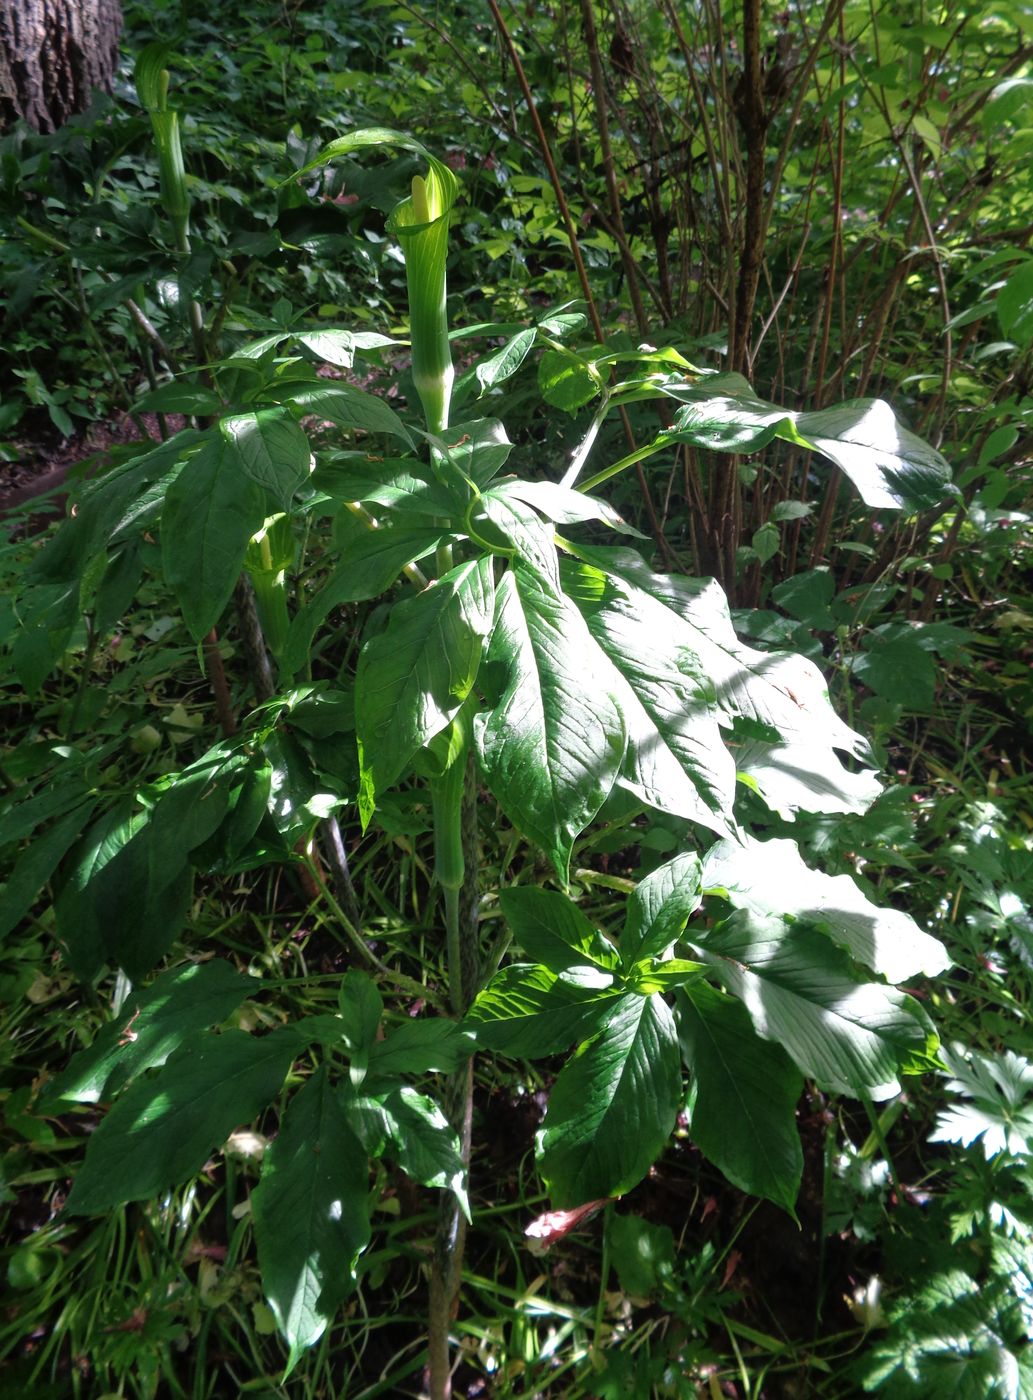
(846, 219)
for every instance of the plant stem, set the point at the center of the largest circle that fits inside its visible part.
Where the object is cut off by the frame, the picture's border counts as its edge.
(461, 931)
(220, 687)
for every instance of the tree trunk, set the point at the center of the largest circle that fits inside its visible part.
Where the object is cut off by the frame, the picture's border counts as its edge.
(53, 53)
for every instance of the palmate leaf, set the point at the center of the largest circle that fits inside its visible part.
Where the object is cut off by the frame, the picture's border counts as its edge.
(996, 1102)
(311, 1213)
(552, 744)
(954, 1338)
(849, 1036)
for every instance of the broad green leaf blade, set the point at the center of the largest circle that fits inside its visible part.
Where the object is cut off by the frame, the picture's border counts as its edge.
(676, 759)
(477, 450)
(509, 525)
(659, 909)
(37, 863)
(109, 506)
(418, 1047)
(778, 689)
(211, 511)
(770, 877)
(361, 1007)
(553, 931)
(402, 485)
(743, 1097)
(414, 676)
(563, 505)
(311, 1214)
(890, 466)
(54, 799)
(110, 907)
(613, 1106)
(371, 561)
(164, 1126)
(423, 1142)
(801, 777)
(271, 450)
(552, 744)
(338, 347)
(152, 1023)
(849, 1036)
(352, 409)
(527, 1011)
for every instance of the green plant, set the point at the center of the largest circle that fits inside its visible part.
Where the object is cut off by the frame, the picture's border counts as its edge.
(563, 676)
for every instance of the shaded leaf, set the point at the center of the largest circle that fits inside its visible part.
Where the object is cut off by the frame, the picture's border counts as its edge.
(613, 1106)
(311, 1214)
(162, 1129)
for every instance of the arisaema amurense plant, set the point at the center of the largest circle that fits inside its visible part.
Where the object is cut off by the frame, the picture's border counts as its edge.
(527, 668)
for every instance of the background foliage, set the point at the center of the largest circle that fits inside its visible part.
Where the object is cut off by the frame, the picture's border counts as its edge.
(834, 203)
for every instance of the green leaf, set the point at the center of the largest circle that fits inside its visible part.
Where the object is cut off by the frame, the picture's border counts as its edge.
(613, 1106)
(402, 485)
(743, 1097)
(361, 1007)
(659, 909)
(414, 676)
(770, 877)
(477, 450)
(162, 1129)
(418, 1047)
(152, 1023)
(954, 1338)
(352, 409)
(531, 1012)
(553, 931)
(37, 863)
(849, 1036)
(802, 777)
(1015, 305)
(567, 381)
(311, 1214)
(778, 689)
(890, 466)
(371, 561)
(495, 369)
(552, 744)
(181, 396)
(676, 759)
(110, 904)
(507, 524)
(338, 347)
(563, 505)
(211, 511)
(643, 1254)
(54, 799)
(421, 1140)
(271, 450)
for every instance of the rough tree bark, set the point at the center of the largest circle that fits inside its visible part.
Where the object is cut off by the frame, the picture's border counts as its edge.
(53, 53)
